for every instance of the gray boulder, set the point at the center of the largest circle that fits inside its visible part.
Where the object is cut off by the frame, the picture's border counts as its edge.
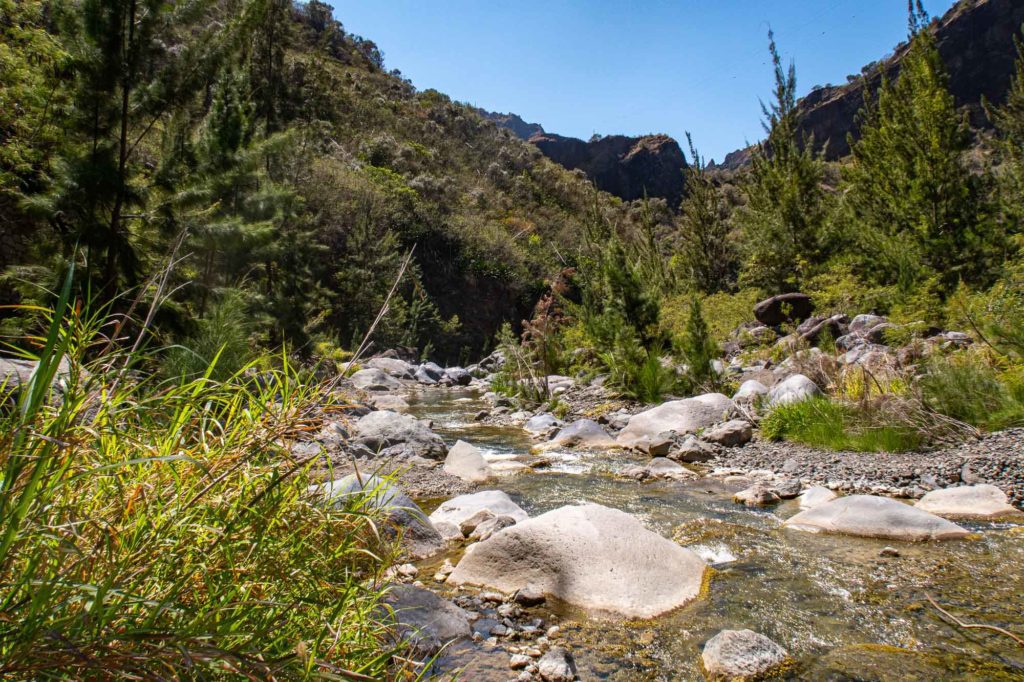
(467, 462)
(741, 655)
(582, 433)
(969, 502)
(730, 434)
(691, 450)
(385, 429)
(458, 376)
(750, 391)
(425, 377)
(593, 557)
(424, 619)
(875, 517)
(388, 401)
(541, 424)
(374, 380)
(459, 509)
(862, 324)
(678, 416)
(816, 495)
(418, 535)
(793, 390)
(399, 369)
(757, 495)
(557, 665)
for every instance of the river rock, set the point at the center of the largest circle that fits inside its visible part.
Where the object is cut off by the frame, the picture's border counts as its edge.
(384, 429)
(792, 390)
(757, 495)
(659, 467)
(374, 380)
(731, 434)
(399, 369)
(816, 495)
(557, 665)
(426, 620)
(491, 526)
(418, 534)
(454, 512)
(968, 502)
(741, 655)
(793, 307)
(875, 517)
(582, 433)
(424, 377)
(541, 424)
(679, 416)
(458, 376)
(389, 401)
(467, 462)
(750, 391)
(691, 450)
(591, 556)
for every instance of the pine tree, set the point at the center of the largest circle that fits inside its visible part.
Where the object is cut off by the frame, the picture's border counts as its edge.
(916, 205)
(698, 347)
(1008, 120)
(783, 220)
(705, 253)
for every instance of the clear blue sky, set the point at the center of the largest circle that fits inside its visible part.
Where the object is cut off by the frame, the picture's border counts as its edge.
(580, 67)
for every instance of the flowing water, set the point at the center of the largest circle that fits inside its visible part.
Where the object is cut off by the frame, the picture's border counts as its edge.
(843, 611)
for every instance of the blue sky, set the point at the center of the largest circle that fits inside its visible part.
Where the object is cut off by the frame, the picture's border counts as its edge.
(604, 66)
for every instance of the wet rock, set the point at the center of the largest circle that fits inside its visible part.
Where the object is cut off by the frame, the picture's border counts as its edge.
(459, 509)
(419, 536)
(659, 468)
(425, 619)
(374, 380)
(384, 429)
(730, 434)
(583, 433)
(757, 495)
(793, 307)
(541, 424)
(587, 556)
(467, 462)
(969, 502)
(557, 665)
(793, 389)
(875, 517)
(741, 654)
(679, 416)
(786, 488)
(749, 392)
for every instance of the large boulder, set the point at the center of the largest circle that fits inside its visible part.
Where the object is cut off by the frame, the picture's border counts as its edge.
(730, 434)
(389, 401)
(969, 502)
(458, 376)
(776, 310)
(399, 369)
(741, 654)
(815, 495)
(679, 416)
(582, 433)
(875, 517)
(861, 324)
(14, 374)
(418, 535)
(424, 619)
(541, 424)
(593, 557)
(467, 462)
(750, 391)
(374, 380)
(384, 429)
(793, 390)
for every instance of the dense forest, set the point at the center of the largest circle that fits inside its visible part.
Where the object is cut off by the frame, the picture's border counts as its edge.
(226, 229)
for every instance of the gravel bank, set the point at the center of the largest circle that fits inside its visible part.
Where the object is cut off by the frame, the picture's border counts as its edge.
(996, 458)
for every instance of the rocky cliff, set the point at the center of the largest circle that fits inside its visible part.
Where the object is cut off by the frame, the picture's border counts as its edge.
(975, 39)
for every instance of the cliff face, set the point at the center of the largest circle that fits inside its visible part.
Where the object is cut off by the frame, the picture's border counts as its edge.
(517, 125)
(975, 40)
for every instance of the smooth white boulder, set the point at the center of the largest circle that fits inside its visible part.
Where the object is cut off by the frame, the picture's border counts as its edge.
(541, 424)
(875, 517)
(741, 655)
(461, 508)
(399, 369)
(969, 502)
(467, 462)
(793, 390)
(389, 401)
(680, 416)
(815, 495)
(600, 559)
(749, 392)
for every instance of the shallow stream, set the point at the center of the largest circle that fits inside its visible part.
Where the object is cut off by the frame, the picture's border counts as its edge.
(842, 611)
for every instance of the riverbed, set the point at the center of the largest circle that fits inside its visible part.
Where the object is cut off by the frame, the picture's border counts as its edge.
(841, 609)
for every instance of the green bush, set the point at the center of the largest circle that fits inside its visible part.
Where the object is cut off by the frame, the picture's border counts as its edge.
(831, 425)
(222, 335)
(965, 386)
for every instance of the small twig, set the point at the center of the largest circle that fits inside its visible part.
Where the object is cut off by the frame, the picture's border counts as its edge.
(974, 626)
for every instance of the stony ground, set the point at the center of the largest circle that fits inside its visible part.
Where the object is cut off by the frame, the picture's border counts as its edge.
(996, 458)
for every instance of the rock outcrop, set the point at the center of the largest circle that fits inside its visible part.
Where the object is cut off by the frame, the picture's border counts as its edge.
(597, 558)
(679, 416)
(875, 517)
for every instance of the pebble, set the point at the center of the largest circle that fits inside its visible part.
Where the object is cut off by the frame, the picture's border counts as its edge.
(519, 661)
(889, 552)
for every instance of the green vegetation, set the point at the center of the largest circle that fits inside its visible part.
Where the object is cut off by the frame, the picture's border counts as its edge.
(833, 425)
(164, 527)
(967, 387)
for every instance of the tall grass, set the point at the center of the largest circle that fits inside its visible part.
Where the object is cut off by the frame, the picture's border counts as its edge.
(966, 387)
(823, 423)
(154, 531)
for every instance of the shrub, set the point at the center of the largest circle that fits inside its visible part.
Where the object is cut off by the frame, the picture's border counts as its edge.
(832, 425)
(966, 387)
(165, 530)
(222, 335)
